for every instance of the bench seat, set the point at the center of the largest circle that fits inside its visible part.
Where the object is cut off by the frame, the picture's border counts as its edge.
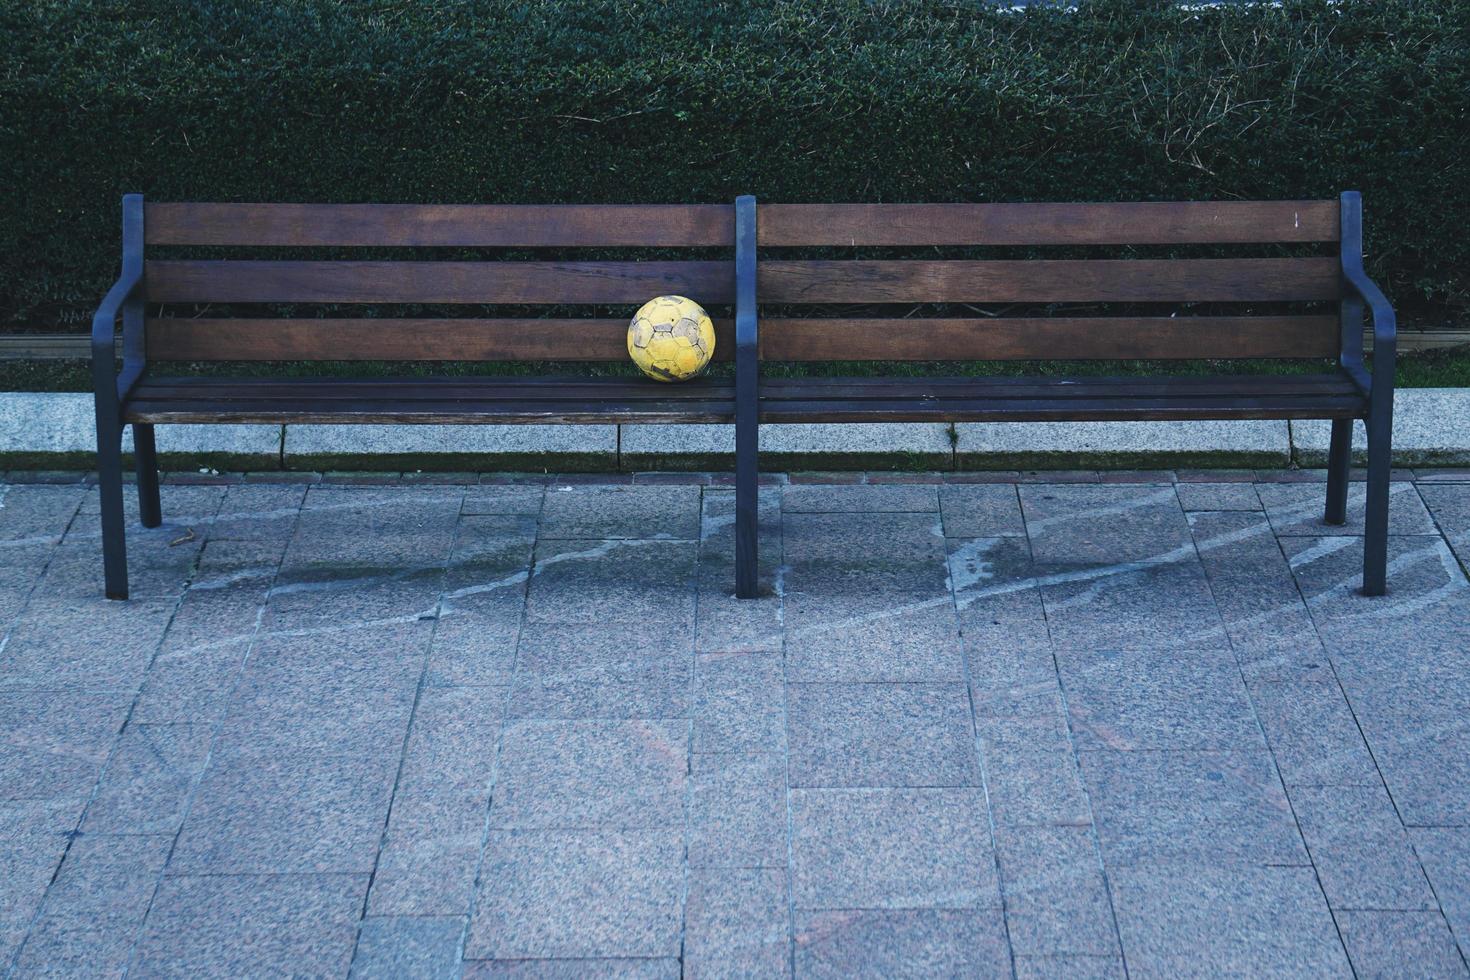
(1045, 399)
(462, 400)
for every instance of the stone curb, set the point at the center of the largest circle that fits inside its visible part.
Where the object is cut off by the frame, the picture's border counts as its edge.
(54, 430)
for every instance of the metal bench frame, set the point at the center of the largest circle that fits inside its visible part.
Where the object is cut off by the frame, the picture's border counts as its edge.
(754, 403)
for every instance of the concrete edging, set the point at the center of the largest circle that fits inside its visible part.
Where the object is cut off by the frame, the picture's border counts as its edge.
(47, 430)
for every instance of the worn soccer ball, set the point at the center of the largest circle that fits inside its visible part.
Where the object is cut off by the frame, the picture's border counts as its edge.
(671, 338)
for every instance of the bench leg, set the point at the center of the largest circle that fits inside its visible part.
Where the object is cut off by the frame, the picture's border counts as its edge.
(747, 512)
(150, 510)
(1375, 520)
(1339, 458)
(110, 488)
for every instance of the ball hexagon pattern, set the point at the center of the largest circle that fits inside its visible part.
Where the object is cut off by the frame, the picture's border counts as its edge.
(671, 338)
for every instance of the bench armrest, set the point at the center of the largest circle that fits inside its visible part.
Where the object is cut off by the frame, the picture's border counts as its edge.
(104, 321)
(104, 335)
(1385, 323)
(110, 387)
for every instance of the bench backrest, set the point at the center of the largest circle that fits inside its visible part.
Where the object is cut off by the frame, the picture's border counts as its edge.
(274, 304)
(1091, 305)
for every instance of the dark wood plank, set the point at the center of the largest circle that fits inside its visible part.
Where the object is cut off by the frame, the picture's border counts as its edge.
(384, 339)
(442, 413)
(1141, 223)
(1057, 399)
(465, 225)
(1050, 338)
(472, 388)
(73, 346)
(429, 400)
(214, 281)
(1049, 281)
(783, 399)
(1059, 388)
(1108, 410)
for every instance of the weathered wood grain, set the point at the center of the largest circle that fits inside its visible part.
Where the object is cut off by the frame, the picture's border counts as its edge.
(1049, 281)
(223, 281)
(1145, 223)
(463, 225)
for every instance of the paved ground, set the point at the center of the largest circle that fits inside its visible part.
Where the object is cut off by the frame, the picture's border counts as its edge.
(1055, 729)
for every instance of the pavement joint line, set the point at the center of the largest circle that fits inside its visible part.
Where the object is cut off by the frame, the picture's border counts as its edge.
(487, 825)
(75, 512)
(1260, 728)
(978, 751)
(116, 746)
(408, 730)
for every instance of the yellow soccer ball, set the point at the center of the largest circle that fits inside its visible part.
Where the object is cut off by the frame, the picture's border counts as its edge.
(671, 338)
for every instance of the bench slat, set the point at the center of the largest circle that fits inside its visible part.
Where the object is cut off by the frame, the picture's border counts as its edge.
(1125, 386)
(1073, 410)
(1049, 338)
(465, 225)
(485, 388)
(1140, 223)
(1055, 399)
(1049, 281)
(781, 339)
(217, 281)
(405, 339)
(600, 411)
(429, 400)
(711, 400)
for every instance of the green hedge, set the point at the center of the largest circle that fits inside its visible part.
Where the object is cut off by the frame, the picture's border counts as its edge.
(794, 100)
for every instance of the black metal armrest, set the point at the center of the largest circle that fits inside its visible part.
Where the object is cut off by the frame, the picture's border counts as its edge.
(1385, 322)
(117, 303)
(1355, 280)
(104, 330)
(104, 321)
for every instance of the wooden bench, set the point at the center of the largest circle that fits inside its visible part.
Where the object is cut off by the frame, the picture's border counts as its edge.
(1214, 281)
(465, 259)
(820, 308)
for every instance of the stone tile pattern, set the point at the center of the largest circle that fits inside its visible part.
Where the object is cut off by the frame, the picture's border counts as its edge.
(1020, 724)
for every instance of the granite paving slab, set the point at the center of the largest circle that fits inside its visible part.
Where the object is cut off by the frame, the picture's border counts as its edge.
(891, 848)
(1158, 700)
(228, 925)
(95, 906)
(1427, 608)
(904, 943)
(1360, 849)
(992, 724)
(1260, 604)
(735, 923)
(1056, 898)
(401, 946)
(1215, 808)
(578, 893)
(1103, 524)
(980, 511)
(1444, 853)
(1382, 943)
(1413, 713)
(1240, 921)
(1449, 505)
(880, 735)
(1297, 508)
(737, 811)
